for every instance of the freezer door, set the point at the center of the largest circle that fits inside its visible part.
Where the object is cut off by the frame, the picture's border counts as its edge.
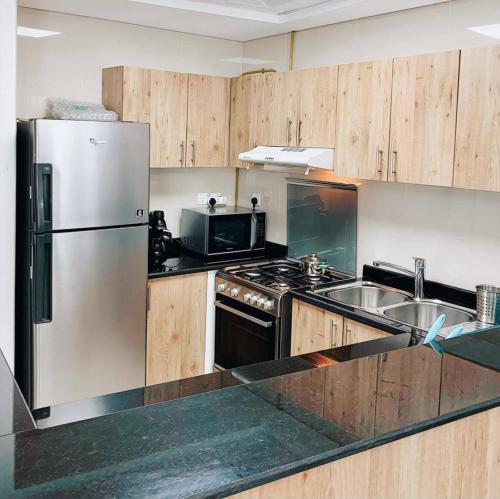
(91, 332)
(97, 173)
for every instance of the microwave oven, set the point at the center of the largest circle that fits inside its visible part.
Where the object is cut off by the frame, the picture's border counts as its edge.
(223, 230)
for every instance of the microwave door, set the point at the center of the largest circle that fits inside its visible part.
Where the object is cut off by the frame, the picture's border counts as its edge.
(229, 233)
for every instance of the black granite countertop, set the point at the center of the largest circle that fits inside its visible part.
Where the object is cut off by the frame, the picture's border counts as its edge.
(218, 434)
(181, 261)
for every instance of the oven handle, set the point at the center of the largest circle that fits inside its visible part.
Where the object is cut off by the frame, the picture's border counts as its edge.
(242, 314)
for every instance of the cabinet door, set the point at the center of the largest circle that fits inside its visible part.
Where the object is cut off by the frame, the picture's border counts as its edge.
(275, 101)
(176, 328)
(477, 149)
(363, 114)
(136, 95)
(423, 116)
(334, 325)
(355, 332)
(314, 329)
(208, 121)
(239, 120)
(168, 119)
(317, 107)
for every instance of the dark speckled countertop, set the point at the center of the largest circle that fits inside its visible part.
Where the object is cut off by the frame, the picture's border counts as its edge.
(181, 261)
(221, 433)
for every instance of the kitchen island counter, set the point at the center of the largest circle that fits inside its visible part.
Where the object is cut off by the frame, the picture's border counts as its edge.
(329, 406)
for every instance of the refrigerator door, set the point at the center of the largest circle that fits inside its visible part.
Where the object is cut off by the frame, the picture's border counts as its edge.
(91, 332)
(90, 174)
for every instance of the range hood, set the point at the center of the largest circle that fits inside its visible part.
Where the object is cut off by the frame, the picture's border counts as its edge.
(305, 157)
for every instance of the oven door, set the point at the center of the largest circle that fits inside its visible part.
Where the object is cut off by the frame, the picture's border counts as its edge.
(243, 335)
(230, 233)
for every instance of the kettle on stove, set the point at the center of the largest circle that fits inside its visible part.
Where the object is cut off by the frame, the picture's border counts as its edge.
(159, 237)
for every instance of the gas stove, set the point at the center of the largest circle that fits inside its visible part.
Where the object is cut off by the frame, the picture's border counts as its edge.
(262, 284)
(254, 309)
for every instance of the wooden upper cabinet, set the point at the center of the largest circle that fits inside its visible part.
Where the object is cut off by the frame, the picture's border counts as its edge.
(477, 149)
(127, 91)
(274, 99)
(363, 118)
(239, 138)
(208, 121)
(168, 118)
(317, 107)
(423, 118)
(176, 328)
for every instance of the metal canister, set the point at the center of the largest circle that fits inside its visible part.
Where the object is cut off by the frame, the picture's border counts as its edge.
(488, 303)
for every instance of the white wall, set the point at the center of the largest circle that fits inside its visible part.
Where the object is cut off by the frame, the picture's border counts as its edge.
(69, 65)
(7, 174)
(457, 230)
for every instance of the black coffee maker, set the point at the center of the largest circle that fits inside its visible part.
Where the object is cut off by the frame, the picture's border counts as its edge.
(159, 237)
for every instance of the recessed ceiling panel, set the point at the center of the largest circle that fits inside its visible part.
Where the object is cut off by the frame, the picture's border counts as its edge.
(240, 20)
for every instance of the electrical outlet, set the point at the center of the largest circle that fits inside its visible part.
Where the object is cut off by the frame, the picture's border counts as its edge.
(257, 195)
(202, 198)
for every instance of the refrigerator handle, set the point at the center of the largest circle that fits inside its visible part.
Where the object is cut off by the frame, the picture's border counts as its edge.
(43, 197)
(42, 279)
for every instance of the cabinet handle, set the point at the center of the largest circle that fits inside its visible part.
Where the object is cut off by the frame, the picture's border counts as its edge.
(148, 298)
(394, 162)
(333, 331)
(380, 155)
(299, 134)
(182, 154)
(347, 332)
(192, 152)
(288, 131)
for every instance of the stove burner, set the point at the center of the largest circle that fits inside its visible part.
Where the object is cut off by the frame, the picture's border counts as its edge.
(279, 285)
(284, 269)
(252, 274)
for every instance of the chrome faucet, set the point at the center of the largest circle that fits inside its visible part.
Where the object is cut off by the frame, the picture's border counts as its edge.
(418, 275)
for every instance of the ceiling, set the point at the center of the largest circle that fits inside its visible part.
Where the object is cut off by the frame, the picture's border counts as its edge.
(240, 20)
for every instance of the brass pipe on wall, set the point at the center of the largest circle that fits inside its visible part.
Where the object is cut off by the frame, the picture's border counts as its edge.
(292, 47)
(257, 71)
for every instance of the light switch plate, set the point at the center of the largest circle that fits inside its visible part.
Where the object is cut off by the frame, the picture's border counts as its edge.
(202, 198)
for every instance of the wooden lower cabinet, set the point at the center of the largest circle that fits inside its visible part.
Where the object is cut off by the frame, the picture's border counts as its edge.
(458, 459)
(315, 329)
(176, 328)
(355, 332)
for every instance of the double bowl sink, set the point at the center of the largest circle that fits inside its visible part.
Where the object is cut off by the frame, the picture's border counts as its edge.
(396, 305)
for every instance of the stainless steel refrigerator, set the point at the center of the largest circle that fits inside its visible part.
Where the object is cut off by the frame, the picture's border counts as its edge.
(81, 258)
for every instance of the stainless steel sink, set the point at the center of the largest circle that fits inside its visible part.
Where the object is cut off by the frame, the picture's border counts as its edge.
(367, 296)
(423, 314)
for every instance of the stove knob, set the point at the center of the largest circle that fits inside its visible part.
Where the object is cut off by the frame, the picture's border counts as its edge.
(253, 300)
(247, 297)
(261, 302)
(222, 287)
(234, 292)
(269, 305)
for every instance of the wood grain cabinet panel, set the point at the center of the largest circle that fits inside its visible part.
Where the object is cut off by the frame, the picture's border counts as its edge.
(275, 101)
(239, 118)
(314, 329)
(363, 118)
(355, 332)
(168, 119)
(317, 107)
(208, 121)
(176, 328)
(477, 148)
(423, 118)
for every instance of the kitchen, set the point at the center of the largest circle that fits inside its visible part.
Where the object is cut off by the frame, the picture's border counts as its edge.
(410, 184)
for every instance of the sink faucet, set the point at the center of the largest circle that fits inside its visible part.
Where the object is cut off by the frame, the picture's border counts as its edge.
(418, 275)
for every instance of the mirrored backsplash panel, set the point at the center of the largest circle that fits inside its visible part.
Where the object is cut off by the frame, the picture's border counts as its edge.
(322, 218)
